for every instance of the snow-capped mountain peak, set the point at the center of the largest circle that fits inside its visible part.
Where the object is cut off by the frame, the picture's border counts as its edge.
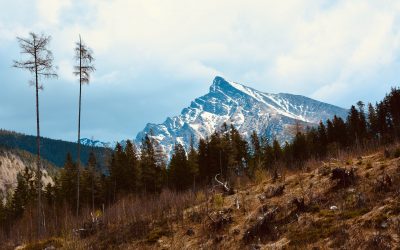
(246, 108)
(94, 143)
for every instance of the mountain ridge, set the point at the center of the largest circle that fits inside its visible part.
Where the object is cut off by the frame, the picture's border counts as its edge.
(244, 107)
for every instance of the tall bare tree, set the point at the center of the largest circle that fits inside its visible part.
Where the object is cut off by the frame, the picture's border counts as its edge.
(40, 64)
(83, 55)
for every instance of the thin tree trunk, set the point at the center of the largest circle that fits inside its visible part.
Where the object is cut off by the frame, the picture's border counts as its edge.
(93, 189)
(38, 170)
(79, 123)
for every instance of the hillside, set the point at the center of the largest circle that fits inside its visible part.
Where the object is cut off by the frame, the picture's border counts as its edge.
(54, 151)
(270, 115)
(14, 161)
(311, 211)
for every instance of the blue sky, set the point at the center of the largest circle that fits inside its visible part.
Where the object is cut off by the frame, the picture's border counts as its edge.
(154, 56)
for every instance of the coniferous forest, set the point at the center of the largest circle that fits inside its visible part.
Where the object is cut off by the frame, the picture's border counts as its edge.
(145, 171)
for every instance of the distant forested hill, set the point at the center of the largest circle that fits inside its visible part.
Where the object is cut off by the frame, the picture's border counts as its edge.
(54, 151)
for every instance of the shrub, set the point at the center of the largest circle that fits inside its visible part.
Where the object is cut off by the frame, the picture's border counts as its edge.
(218, 200)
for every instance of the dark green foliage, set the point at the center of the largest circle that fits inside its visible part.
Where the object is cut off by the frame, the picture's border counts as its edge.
(225, 153)
(68, 179)
(151, 173)
(179, 172)
(24, 194)
(52, 150)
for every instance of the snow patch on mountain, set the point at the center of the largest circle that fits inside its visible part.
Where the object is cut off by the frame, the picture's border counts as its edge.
(270, 115)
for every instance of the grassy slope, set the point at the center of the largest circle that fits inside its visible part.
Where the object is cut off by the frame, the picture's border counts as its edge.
(366, 218)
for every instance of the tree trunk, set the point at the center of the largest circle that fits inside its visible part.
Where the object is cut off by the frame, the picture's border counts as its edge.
(79, 124)
(38, 168)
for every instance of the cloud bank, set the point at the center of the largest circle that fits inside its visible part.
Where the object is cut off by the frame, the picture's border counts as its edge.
(157, 55)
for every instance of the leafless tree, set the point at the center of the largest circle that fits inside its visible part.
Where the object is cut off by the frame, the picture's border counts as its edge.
(83, 55)
(40, 64)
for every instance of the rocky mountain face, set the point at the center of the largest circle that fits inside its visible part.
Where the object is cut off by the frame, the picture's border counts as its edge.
(270, 115)
(13, 162)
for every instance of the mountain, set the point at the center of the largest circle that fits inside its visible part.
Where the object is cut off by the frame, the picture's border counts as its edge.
(14, 161)
(95, 143)
(54, 151)
(272, 115)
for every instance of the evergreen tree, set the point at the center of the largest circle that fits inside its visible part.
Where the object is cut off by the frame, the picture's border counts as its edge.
(203, 160)
(23, 194)
(151, 174)
(68, 180)
(119, 171)
(133, 170)
(93, 177)
(323, 140)
(393, 102)
(193, 163)
(362, 126)
(277, 151)
(256, 153)
(179, 170)
(340, 131)
(353, 120)
(372, 121)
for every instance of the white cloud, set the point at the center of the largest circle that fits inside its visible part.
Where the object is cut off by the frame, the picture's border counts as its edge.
(49, 10)
(324, 49)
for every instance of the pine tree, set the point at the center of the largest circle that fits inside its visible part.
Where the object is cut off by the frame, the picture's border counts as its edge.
(352, 124)
(239, 150)
(132, 168)
(92, 163)
(372, 121)
(256, 153)
(277, 150)
(203, 160)
(68, 180)
(340, 131)
(323, 140)
(393, 100)
(362, 126)
(40, 63)
(179, 170)
(23, 193)
(193, 163)
(151, 174)
(119, 171)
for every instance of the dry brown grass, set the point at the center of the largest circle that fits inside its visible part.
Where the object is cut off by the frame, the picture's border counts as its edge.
(366, 217)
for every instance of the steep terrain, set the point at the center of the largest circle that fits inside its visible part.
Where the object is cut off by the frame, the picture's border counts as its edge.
(272, 115)
(13, 162)
(318, 207)
(54, 151)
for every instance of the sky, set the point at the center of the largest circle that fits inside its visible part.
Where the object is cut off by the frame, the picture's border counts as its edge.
(154, 56)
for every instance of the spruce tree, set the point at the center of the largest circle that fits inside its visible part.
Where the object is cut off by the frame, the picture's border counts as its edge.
(151, 174)
(323, 139)
(372, 121)
(68, 180)
(179, 170)
(132, 168)
(193, 163)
